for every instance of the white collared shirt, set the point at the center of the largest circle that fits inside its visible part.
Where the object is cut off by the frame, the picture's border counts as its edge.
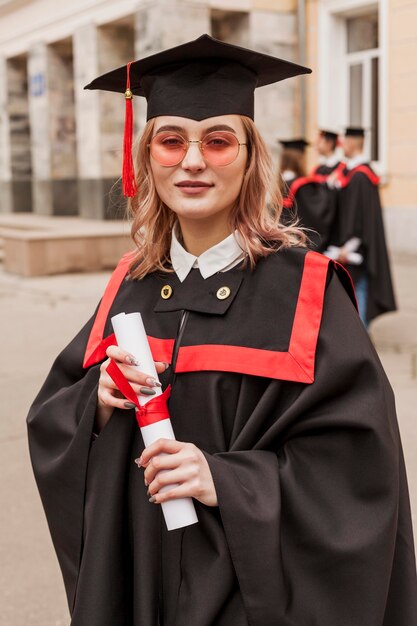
(359, 159)
(219, 258)
(330, 161)
(288, 175)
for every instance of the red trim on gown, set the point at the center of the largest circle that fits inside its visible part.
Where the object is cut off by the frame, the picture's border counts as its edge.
(295, 364)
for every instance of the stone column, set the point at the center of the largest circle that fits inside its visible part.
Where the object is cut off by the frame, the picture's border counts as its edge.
(6, 202)
(231, 26)
(162, 24)
(39, 112)
(100, 118)
(276, 106)
(16, 134)
(63, 160)
(87, 112)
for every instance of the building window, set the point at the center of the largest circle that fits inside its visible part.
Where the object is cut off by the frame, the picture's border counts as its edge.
(362, 60)
(352, 63)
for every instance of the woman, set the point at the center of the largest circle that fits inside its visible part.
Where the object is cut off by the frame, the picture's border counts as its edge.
(285, 426)
(305, 197)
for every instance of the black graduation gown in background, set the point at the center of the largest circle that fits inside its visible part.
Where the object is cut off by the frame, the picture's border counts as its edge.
(360, 215)
(314, 205)
(325, 170)
(281, 388)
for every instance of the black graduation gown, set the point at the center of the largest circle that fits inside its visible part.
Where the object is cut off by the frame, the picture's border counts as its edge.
(360, 215)
(314, 205)
(281, 388)
(325, 170)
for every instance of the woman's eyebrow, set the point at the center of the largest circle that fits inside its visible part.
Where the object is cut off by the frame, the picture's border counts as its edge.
(180, 129)
(220, 127)
(170, 127)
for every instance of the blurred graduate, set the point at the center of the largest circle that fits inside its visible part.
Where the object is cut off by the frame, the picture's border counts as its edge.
(360, 234)
(305, 198)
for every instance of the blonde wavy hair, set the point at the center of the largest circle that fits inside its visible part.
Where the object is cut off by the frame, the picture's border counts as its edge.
(255, 215)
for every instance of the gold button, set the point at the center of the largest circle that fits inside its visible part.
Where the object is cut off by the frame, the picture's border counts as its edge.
(166, 292)
(223, 293)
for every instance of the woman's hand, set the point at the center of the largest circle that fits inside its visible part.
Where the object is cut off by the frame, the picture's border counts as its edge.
(109, 396)
(188, 467)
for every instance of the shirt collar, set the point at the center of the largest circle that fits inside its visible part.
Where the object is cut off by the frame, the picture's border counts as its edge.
(215, 259)
(288, 175)
(332, 160)
(359, 159)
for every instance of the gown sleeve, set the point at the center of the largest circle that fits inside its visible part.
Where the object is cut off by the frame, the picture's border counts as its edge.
(316, 517)
(60, 424)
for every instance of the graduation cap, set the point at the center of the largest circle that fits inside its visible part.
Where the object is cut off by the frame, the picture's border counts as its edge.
(294, 144)
(356, 131)
(199, 79)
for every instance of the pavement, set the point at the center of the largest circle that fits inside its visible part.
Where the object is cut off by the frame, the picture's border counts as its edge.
(39, 316)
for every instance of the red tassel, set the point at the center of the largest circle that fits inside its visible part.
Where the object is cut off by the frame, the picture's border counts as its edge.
(128, 175)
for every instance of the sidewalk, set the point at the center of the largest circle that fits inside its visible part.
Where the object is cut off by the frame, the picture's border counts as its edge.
(38, 317)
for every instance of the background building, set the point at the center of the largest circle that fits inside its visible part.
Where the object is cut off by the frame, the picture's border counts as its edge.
(60, 146)
(364, 55)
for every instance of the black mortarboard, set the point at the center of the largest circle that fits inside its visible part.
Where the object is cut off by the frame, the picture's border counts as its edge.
(354, 132)
(199, 79)
(294, 144)
(330, 135)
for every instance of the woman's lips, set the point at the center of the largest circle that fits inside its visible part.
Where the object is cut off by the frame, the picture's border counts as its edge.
(193, 187)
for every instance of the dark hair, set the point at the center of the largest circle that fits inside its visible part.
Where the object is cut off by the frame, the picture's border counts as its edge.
(293, 160)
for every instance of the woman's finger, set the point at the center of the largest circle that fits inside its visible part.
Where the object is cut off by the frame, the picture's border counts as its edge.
(169, 477)
(183, 490)
(161, 463)
(118, 354)
(169, 446)
(106, 398)
(106, 381)
(160, 366)
(133, 375)
(141, 390)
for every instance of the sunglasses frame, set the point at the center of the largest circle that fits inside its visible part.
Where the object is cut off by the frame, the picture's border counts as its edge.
(188, 142)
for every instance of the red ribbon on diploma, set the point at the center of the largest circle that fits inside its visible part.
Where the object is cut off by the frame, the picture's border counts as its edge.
(153, 411)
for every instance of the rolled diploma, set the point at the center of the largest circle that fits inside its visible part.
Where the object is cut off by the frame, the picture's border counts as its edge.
(354, 258)
(131, 336)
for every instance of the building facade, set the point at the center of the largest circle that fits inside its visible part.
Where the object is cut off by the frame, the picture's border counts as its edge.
(364, 57)
(60, 146)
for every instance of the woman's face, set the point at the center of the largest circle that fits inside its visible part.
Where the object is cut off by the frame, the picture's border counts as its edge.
(195, 189)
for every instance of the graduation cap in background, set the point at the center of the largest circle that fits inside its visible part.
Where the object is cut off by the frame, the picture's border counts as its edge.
(199, 79)
(330, 135)
(294, 144)
(356, 131)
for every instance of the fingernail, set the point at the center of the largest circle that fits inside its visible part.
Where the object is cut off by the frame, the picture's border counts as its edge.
(146, 484)
(131, 360)
(137, 461)
(152, 499)
(145, 391)
(129, 405)
(152, 382)
(166, 365)
(148, 493)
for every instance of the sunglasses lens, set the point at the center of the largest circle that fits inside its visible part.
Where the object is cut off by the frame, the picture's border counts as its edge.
(168, 149)
(220, 148)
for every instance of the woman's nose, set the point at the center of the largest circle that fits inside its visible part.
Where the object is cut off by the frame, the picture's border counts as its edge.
(193, 159)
